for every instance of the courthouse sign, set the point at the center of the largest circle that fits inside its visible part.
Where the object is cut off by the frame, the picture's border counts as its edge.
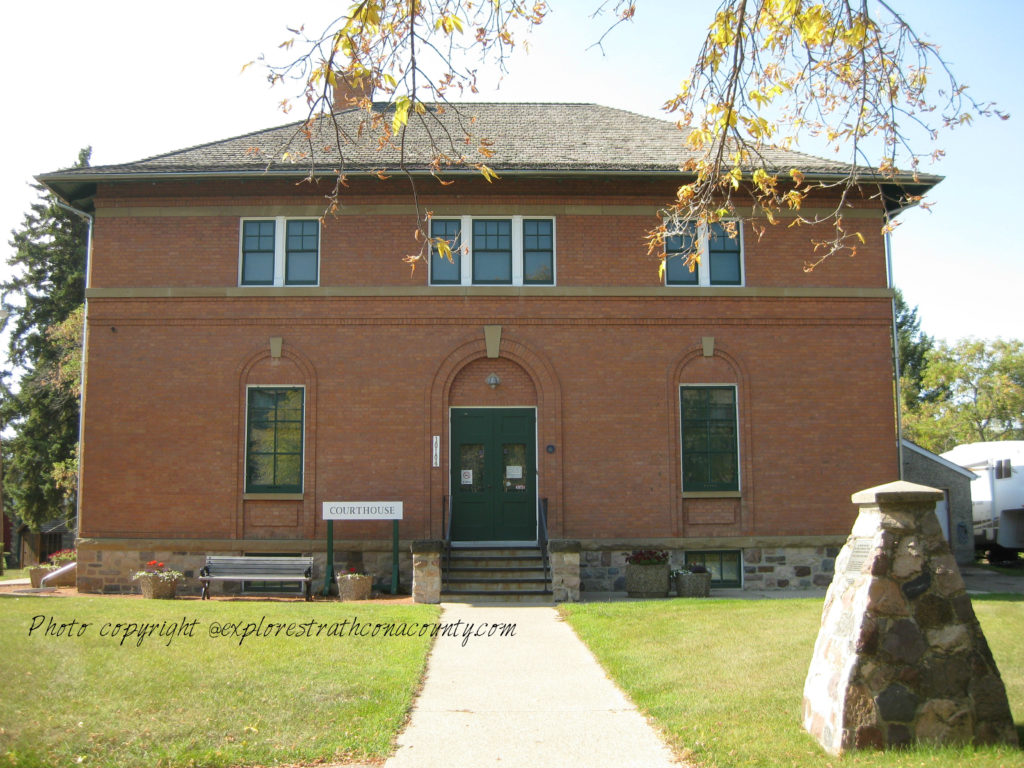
(362, 510)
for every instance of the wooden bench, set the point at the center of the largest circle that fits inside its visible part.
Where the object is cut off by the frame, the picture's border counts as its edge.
(227, 568)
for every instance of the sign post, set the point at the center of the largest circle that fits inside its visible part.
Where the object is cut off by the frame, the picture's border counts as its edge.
(362, 510)
(329, 577)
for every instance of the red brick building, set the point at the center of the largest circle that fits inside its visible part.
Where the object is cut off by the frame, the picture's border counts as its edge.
(248, 360)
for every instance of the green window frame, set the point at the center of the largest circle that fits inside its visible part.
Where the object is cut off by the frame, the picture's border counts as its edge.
(724, 565)
(258, 244)
(677, 248)
(709, 438)
(492, 251)
(719, 256)
(302, 252)
(274, 439)
(725, 261)
(280, 252)
(538, 252)
(443, 271)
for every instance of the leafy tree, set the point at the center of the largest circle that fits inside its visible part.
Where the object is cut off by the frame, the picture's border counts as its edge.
(852, 73)
(914, 346)
(49, 286)
(982, 395)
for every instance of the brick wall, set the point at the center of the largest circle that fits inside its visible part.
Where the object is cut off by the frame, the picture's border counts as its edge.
(164, 453)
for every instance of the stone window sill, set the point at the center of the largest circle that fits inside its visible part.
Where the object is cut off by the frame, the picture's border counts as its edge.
(712, 494)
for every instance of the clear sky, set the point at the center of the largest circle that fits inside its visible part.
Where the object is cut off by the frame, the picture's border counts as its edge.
(136, 79)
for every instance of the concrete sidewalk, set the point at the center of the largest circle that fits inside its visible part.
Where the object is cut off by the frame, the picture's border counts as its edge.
(538, 698)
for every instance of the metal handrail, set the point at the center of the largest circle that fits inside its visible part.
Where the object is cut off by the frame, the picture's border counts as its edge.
(446, 524)
(542, 533)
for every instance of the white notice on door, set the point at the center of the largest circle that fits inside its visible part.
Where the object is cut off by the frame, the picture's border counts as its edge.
(514, 473)
(467, 477)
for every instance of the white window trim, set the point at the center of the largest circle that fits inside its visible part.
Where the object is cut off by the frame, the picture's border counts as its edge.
(679, 432)
(245, 439)
(280, 250)
(703, 267)
(466, 252)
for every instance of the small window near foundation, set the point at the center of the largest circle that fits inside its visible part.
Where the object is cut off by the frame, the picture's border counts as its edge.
(273, 587)
(723, 565)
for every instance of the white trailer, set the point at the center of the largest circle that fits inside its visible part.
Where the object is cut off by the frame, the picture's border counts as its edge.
(997, 496)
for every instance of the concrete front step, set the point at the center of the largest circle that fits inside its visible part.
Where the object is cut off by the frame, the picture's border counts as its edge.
(536, 597)
(526, 572)
(497, 551)
(488, 564)
(495, 574)
(496, 585)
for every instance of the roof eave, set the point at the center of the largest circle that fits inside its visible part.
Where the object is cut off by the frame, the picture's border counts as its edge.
(79, 188)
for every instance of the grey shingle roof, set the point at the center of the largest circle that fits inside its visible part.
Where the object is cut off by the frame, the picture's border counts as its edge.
(567, 138)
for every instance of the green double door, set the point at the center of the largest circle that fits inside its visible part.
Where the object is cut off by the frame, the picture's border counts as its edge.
(494, 474)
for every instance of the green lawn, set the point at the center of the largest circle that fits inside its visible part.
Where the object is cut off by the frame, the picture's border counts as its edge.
(724, 678)
(15, 573)
(203, 700)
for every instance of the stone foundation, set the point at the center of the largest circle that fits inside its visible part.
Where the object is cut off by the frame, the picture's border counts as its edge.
(564, 557)
(763, 567)
(426, 571)
(788, 567)
(106, 566)
(900, 657)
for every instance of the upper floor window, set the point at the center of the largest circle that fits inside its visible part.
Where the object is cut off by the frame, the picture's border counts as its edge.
(720, 259)
(280, 252)
(494, 251)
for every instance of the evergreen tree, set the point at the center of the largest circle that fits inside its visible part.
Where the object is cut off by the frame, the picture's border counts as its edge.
(48, 287)
(913, 346)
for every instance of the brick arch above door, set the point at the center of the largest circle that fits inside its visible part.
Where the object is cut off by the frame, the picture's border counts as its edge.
(454, 384)
(470, 386)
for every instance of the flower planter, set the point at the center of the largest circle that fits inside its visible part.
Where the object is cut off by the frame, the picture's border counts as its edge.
(156, 588)
(36, 575)
(693, 584)
(354, 587)
(647, 580)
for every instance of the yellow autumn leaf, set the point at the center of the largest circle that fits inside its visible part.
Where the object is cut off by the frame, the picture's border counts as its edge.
(402, 104)
(488, 174)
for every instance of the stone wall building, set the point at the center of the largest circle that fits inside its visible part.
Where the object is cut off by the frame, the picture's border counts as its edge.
(954, 510)
(249, 359)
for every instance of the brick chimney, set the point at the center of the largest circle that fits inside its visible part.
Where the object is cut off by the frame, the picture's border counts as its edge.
(350, 89)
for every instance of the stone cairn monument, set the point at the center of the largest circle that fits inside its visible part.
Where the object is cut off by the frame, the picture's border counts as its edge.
(900, 657)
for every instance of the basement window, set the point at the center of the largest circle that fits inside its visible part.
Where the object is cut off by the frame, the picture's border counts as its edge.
(723, 565)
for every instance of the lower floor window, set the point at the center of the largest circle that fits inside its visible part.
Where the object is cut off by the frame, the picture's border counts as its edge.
(707, 416)
(273, 446)
(723, 565)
